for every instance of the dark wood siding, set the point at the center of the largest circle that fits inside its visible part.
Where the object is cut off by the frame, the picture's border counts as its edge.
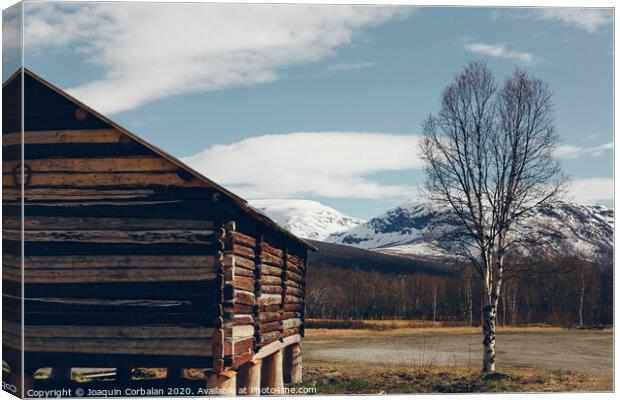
(120, 246)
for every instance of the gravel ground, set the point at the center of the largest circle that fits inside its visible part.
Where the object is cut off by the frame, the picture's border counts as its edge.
(578, 350)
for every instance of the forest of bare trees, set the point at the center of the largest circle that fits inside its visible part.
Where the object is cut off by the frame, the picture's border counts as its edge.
(563, 292)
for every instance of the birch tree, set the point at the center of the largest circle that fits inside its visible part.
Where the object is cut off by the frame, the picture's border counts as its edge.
(489, 162)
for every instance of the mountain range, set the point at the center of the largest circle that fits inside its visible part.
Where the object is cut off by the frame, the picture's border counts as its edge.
(581, 230)
(306, 218)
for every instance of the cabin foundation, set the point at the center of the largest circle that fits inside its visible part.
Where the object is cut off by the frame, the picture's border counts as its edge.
(249, 378)
(272, 377)
(222, 383)
(293, 363)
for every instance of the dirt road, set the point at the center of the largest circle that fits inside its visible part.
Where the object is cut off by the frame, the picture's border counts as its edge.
(570, 350)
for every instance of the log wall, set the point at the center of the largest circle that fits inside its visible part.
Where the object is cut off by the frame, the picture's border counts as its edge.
(267, 288)
(121, 247)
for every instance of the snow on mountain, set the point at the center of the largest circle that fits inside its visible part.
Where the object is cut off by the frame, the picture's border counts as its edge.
(586, 231)
(306, 218)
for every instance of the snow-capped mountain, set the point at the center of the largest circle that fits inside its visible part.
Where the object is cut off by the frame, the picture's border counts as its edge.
(586, 231)
(306, 218)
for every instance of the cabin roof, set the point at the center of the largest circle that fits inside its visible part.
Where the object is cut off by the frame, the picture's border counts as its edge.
(243, 204)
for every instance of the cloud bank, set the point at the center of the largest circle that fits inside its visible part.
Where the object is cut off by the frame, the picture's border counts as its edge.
(572, 151)
(330, 164)
(591, 190)
(151, 51)
(500, 51)
(591, 20)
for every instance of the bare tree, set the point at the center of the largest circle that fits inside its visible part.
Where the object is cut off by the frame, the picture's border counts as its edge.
(489, 162)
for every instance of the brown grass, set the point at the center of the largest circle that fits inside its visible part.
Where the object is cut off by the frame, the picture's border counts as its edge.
(317, 329)
(343, 378)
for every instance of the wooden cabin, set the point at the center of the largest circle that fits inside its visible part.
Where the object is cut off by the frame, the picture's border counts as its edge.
(132, 259)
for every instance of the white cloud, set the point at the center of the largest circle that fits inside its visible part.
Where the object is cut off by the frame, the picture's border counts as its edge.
(572, 151)
(148, 51)
(331, 164)
(349, 66)
(589, 19)
(499, 51)
(591, 190)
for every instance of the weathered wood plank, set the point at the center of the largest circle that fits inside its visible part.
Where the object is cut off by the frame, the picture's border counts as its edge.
(138, 179)
(239, 262)
(186, 346)
(270, 316)
(269, 299)
(292, 284)
(85, 248)
(51, 275)
(238, 346)
(293, 299)
(110, 332)
(244, 297)
(271, 260)
(271, 289)
(112, 236)
(269, 337)
(99, 164)
(292, 291)
(112, 261)
(270, 327)
(267, 248)
(291, 276)
(239, 308)
(243, 251)
(291, 323)
(244, 283)
(207, 291)
(243, 240)
(38, 222)
(274, 280)
(293, 306)
(243, 319)
(246, 273)
(293, 268)
(242, 331)
(64, 136)
(49, 194)
(269, 270)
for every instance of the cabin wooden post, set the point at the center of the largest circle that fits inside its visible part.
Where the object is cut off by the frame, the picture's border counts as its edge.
(272, 378)
(249, 378)
(222, 383)
(293, 363)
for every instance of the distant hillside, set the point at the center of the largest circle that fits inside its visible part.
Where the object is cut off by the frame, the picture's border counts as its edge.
(342, 256)
(584, 231)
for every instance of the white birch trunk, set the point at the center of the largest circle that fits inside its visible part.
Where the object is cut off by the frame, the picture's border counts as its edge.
(581, 298)
(488, 343)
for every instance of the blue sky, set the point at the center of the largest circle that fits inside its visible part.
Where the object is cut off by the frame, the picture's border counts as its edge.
(325, 101)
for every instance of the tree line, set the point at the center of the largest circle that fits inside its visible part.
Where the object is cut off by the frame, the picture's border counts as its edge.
(560, 291)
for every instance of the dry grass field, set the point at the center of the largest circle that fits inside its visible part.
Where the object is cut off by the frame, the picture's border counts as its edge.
(355, 378)
(419, 356)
